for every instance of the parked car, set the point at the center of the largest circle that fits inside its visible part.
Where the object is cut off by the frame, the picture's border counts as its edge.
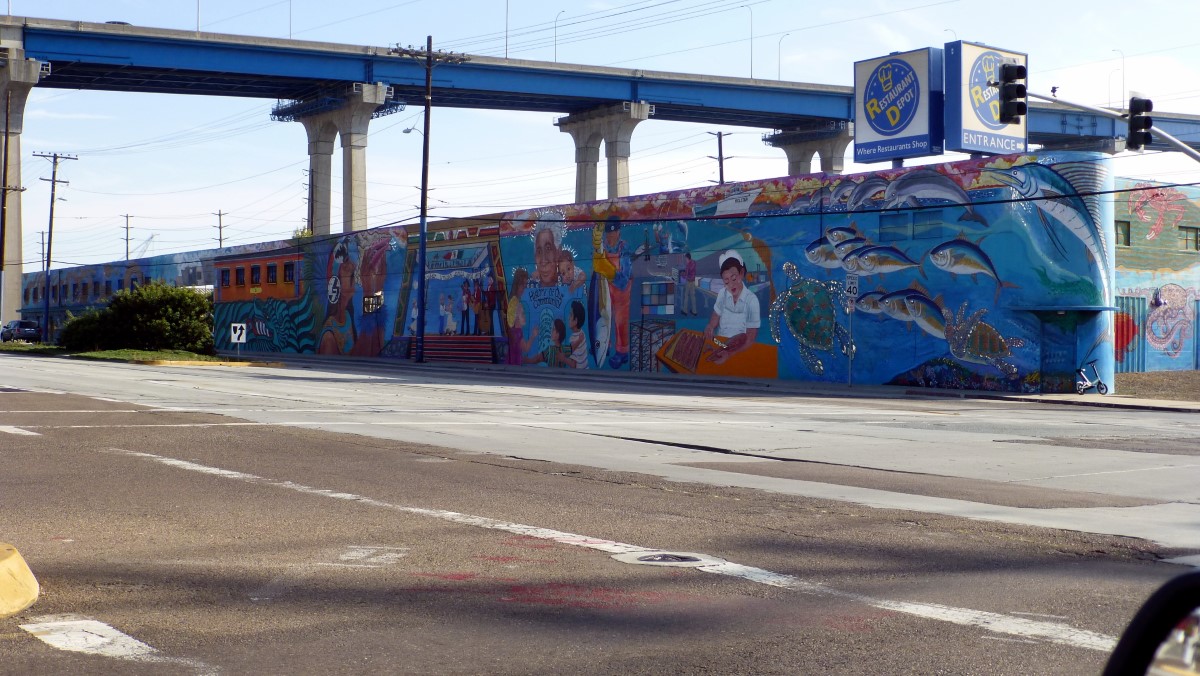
(21, 329)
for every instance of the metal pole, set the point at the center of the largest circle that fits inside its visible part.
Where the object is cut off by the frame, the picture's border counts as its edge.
(1158, 133)
(751, 9)
(560, 13)
(779, 57)
(421, 291)
(721, 161)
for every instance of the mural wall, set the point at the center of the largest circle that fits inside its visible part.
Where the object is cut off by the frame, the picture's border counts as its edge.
(1158, 277)
(995, 274)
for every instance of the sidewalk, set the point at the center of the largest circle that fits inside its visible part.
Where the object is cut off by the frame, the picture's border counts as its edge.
(799, 388)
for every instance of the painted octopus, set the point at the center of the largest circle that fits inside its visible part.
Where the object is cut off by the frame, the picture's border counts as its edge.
(1169, 325)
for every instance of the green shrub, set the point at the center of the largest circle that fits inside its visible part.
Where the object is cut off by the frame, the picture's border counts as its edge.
(154, 316)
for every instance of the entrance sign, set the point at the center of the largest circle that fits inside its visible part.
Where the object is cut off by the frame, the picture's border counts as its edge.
(898, 106)
(973, 105)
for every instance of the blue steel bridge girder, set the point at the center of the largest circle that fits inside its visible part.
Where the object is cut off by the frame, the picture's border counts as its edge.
(128, 58)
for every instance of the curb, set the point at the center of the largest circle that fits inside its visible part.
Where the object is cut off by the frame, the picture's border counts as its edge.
(18, 586)
(172, 362)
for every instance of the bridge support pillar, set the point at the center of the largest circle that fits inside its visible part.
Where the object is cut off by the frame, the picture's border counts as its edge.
(614, 126)
(321, 130)
(352, 120)
(829, 140)
(17, 77)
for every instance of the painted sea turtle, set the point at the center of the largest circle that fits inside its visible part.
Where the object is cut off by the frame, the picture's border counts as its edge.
(809, 308)
(973, 340)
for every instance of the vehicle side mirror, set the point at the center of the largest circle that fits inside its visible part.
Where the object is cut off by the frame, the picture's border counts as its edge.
(1164, 634)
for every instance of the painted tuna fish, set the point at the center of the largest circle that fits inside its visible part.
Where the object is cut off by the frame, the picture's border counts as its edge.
(841, 191)
(893, 305)
(869, 302)
(926, 184)
(808, 308)
(879, 260)
(820, 253)
(844, 247)
(839, 234)
(972, 340)
(962, 257)
(1056, 197)
(926, 313)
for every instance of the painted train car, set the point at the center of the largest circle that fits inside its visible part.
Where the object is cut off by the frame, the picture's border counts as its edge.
(1002, 273)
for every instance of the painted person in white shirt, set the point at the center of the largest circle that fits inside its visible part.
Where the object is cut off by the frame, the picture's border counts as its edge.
(736, 314)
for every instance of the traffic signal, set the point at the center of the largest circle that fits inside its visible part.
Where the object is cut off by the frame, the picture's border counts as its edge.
(1012, 93)
(1140, 123)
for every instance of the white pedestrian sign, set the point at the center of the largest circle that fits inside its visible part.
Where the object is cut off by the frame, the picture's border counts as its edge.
(237, 334)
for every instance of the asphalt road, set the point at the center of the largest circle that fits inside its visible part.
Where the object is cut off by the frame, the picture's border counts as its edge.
(355, 519)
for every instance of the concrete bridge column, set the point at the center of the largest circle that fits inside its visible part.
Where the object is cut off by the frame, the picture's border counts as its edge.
(829, 140)
(321, 130)
(587, 155)
(614, 124)
(352, 121)
(17, 77)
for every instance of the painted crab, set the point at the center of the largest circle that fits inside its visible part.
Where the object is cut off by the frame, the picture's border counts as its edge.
(973, 340)
(810, 310)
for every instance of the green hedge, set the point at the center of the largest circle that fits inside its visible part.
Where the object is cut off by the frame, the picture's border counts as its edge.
(154, 316)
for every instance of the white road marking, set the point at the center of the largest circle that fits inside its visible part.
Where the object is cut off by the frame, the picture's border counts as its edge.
(76, 633)
(402, 423)
(7, 429)
(1115, 471)
(1054, 632)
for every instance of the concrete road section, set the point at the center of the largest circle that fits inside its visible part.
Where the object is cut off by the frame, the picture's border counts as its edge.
(364, 518)
(194, 542)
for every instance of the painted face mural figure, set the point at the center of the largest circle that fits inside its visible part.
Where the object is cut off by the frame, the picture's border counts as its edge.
(338, 334)
(620, 284)
(546, 242)
(736, 313)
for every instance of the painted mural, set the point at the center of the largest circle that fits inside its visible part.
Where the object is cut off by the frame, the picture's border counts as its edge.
(1158, 277)
(995, 273)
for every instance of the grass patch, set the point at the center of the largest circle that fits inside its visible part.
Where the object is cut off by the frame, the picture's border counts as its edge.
(111, 355)
(147, 355)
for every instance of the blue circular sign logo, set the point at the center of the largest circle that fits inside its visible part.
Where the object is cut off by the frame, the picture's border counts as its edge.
(891, 97)
(985, 99)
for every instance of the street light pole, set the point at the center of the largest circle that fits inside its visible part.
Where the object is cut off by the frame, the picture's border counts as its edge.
(779, 57)
(751, 9)
(1123, 99)
(560, 13)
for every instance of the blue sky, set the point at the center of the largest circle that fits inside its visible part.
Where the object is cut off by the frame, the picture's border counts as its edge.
(172, 162)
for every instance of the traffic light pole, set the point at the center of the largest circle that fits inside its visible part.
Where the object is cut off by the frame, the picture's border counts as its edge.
(1158, 133)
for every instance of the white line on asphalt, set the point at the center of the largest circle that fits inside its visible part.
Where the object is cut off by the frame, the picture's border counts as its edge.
(76, 633)
(1054, 632)
(1115, 471)
(8, 429)
(402, 423)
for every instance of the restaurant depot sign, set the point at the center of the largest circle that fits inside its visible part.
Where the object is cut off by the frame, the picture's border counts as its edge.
(973, 107)
(898, 103)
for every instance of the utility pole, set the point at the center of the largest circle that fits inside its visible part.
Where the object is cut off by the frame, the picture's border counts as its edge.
(720, 158)
(431, 59)
(55, 158)
(220, 226)
(127, 217)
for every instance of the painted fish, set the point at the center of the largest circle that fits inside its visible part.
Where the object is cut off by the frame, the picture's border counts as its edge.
(840, 234)
(926, 184)
(864, 191)
(962, 257)
(1054, 198)
(846, 246)
(820, 253)
(926, 313)
(878, 260)
(869, 302)
(894, 305)
(841, 191)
